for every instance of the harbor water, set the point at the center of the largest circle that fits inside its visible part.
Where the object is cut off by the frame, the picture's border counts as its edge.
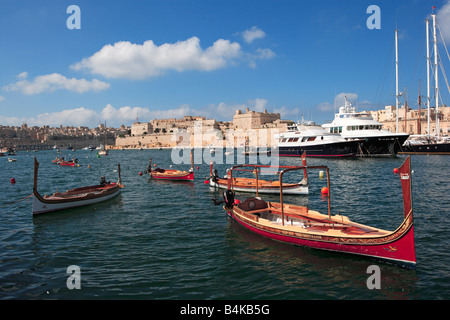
(162, 240)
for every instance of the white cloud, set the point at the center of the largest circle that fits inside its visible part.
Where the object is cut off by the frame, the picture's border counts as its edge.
(55, 81)
(2, 98)
(443, 18)
(264, 54)
(252, 34)
(136, 61)
(339, 101)
(116, 116)
(22, 75)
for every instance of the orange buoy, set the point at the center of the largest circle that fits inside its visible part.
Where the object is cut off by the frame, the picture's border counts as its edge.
(395, 170)
(324, 190)
(197, 167)
(140, 173)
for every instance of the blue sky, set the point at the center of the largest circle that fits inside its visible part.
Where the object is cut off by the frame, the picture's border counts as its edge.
(150, 59)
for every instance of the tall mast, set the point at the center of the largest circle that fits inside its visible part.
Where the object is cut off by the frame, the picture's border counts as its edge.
(428, 75)
(419, 127)
(436, 75)
(396, 79)
(406, 108)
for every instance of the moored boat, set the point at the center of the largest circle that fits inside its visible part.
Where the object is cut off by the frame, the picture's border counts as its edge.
(257, 185)
(426, 145)
(68, 163)
(74, 197)
(306, 136)
(374, 141)
(301, 226)
(171, 174)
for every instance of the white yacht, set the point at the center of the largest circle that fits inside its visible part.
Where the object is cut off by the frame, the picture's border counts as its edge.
(306, 136)
(377, 142)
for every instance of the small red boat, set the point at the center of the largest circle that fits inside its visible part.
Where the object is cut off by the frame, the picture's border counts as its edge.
(300, 226)
(70, 163)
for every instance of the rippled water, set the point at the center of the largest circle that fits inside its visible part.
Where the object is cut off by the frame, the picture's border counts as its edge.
(166, 240)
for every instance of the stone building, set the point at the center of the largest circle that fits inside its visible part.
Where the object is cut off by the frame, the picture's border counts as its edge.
(416, 122)
(141, 128)
(253, 119)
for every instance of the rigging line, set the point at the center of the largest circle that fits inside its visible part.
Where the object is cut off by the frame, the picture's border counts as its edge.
(384, 76)
(8, 204)
(445, 76)
(442, 37)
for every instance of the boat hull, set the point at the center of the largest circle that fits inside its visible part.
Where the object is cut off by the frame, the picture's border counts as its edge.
(427, 148)
(396, 247)
(273, 189)
(380, 146)
(41, 205)
(171, 175)
(326, 150)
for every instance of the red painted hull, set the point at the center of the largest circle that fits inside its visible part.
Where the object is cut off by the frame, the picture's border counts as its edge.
(298, 225)
(397, 248)
(67, 164)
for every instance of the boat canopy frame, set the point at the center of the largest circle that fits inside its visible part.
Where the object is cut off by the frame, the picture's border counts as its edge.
(281, 173)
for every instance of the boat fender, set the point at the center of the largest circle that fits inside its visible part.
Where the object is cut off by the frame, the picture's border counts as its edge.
(228, 197)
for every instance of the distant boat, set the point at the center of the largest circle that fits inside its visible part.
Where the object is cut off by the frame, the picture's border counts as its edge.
(171, 174)
(257, 185)
(12, 160)
(75, 197)
(103, 152)
(425, 145)
(298, 225)
(69, 163)
(306, 136)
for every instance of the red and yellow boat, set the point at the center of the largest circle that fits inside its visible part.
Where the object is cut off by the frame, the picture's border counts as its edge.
(257, 184)
(171, 174)
(300, 226)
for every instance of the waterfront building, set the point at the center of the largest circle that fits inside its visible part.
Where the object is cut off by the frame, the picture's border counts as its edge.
(416, 121)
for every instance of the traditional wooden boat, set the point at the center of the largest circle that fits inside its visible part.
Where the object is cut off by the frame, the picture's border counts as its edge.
(171, 174)
(300, 226)
(258, 185)
(75, 197)
(69, 163)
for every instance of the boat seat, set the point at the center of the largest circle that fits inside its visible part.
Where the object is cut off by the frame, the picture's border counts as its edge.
(251, 204)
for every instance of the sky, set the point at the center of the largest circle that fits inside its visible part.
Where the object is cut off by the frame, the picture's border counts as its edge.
(117, 62)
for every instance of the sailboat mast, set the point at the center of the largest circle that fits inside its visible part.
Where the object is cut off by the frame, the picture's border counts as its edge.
(396, 79)
(436, 75)
(428, 74)
(406, 107)
(420, 105)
